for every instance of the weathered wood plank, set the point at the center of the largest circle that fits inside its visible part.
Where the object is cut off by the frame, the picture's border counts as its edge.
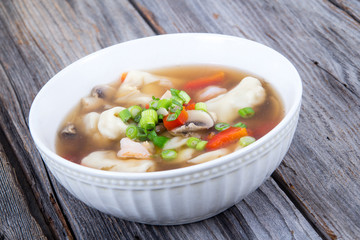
(26, 157)
(32, 50)
(265, 214)
(78, 214)
(322, 40)
(44, 36)
(16, 220)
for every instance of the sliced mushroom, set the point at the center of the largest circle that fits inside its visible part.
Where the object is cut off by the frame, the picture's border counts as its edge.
(69, 131)
(197, 120)
(102, 91)
(107, 160)
(248, 93)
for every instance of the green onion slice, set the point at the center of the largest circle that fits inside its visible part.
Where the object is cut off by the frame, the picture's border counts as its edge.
(222, 126)
(185, 97)
(160, 141)
(201, 106)
(192, 142)
(125, 115)
(135, 111)
(247, 112)
(142, 134)
(247, 140)
(240, 124)
(174, 92)
(177, 100)
(163, 103)
(153, 104)
(132, 132)
(150, 114)
(173, 108)
(149, 119)
(201, 145)
(169, 154)
(147, 123)
(152, 135)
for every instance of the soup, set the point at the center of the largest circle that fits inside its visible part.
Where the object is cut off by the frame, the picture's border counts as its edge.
(168, 118)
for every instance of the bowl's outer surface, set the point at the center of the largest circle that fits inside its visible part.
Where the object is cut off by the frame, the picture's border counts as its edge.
(175, 196)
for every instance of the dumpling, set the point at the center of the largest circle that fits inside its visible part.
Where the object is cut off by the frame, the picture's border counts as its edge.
(132, 89)
(90, 122)
(111, 126)
(248, 93)
(210, 155)
(107, 160)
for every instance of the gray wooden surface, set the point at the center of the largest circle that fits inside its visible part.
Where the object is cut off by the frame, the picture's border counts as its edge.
(313, 194)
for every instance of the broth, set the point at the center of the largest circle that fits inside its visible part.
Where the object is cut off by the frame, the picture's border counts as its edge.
(76, 143)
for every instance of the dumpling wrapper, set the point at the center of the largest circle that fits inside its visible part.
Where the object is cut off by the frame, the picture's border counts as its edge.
(107, 160)
(210, 155)
(90, 122)
(130, 91)
(248, 93)
(110, 126)
(175, 142)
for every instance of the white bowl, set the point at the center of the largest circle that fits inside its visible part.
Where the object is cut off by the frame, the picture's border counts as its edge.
(175, 196)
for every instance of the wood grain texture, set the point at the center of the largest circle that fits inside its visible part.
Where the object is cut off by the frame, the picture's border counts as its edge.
(322, 39)
(16, 220)
(32, 51)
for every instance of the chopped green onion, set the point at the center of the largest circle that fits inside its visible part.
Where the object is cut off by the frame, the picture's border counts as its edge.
(184, 96)
(149, 119)
(192, 142)
(132, 132)
(160, 141)
(201, 106)
(247, 140)
(168, 154)
(173, 116)
(162, 111)
(137, 118)
(177, 100)
(240, 124)
(150, 113)
(174, 108)
(201, 145)
(135, 111)
(125, 115)
(222, 126)
(164, 103)
(152, 135)
(174, 92)
(247, 112)
(153, 104)
(147, 124)
(142, 134)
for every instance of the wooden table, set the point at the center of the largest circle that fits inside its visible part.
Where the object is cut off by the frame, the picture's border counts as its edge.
(314, 194)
